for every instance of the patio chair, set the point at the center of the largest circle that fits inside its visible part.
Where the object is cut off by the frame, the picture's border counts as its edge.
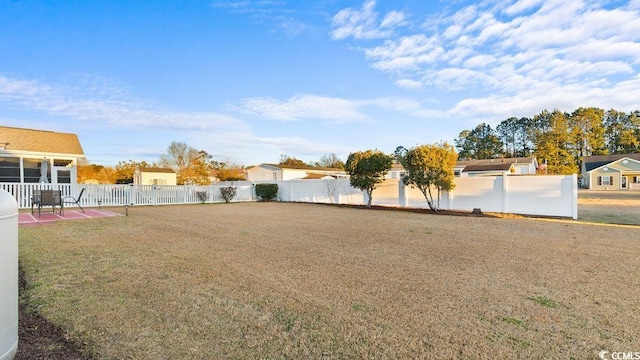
(68, 199)
(51, 198)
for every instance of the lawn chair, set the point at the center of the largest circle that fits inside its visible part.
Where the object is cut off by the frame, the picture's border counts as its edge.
(51, 198)
(68, 199)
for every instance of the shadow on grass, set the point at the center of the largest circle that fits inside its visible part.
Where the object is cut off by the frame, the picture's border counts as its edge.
(38, 338)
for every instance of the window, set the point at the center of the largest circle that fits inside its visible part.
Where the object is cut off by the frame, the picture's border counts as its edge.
(64, 176)
(10, 169)
(605, 180)
(32, 170)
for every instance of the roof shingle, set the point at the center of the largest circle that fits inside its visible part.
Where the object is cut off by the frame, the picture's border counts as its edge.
(40, 141)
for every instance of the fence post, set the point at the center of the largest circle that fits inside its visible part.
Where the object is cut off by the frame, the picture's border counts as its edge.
(505, 193)
(403, 201)
(574, 196)
(8, 276)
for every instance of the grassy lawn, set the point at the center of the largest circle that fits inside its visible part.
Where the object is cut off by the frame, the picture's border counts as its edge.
(278, 280)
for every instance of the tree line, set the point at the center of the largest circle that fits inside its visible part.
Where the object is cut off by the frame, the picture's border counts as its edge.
(192, 166)
(559, 139)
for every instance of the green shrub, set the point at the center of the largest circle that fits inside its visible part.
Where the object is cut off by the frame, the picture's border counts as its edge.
(267, 192)
(203, 196)
(228, 193)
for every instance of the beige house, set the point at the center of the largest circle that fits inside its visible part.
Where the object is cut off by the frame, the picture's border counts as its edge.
(37, 156)
(271, 172)
(611, 172)
(154, 176)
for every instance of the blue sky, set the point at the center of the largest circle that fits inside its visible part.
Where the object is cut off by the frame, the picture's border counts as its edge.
(249, 81)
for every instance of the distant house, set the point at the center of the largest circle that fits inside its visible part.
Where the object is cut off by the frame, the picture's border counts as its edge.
(497, 167)
(397, 171)
(23, 151)
(154, 176)
(271, 172)
(611, 172)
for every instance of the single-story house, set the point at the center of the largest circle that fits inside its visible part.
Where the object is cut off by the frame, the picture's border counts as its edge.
(497, 167)
(154, 176)
(397, 171)
(37, 156)
(272, 172)
(611, 172)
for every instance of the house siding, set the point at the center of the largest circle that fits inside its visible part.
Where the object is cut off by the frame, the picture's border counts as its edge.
(625, 171)
(259, 173)
(614, 174)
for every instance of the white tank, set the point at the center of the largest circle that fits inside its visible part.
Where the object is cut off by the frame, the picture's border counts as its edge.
(8, 276)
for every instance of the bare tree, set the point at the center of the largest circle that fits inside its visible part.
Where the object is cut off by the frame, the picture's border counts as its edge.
(330, 161)
(190, 164)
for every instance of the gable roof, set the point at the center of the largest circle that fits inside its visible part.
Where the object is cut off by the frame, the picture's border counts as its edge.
(41, 141)
(494, 164)
(596, 161)
(282, 167)
(317, 176)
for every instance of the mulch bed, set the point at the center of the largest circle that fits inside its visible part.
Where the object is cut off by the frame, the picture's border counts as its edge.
(39, 339)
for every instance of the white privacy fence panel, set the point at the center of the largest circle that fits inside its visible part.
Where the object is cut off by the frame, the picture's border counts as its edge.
(531, 195)
(547, 195)
(329, 191)
(477, 192)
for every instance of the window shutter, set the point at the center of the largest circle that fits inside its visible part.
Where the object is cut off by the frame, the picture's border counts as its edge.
(599, 180)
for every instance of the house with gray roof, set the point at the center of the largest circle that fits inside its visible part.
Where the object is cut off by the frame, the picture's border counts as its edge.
(35, 156)
(497, 167)
(611, 172)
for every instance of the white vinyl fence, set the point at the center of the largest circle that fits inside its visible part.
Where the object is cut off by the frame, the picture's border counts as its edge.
(118, 195)
(527, 195)
(530, 195)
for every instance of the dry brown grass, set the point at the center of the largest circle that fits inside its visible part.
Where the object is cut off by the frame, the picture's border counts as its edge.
(610, 206)
(277, 280)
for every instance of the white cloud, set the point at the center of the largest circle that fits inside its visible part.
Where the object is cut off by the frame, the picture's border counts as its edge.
(522, 6)
(479, 61)
(503, 48)
(406, 53)
(306, 106)
(520, 55)
(95, 99)
(393, 18)
(363, 23)
(274, 12)
(408, 84)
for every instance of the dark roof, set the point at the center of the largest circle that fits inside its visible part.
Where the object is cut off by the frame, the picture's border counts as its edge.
(316, 176)
(596, 161)
(492, 164)
(41, 141)
(488, 167)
